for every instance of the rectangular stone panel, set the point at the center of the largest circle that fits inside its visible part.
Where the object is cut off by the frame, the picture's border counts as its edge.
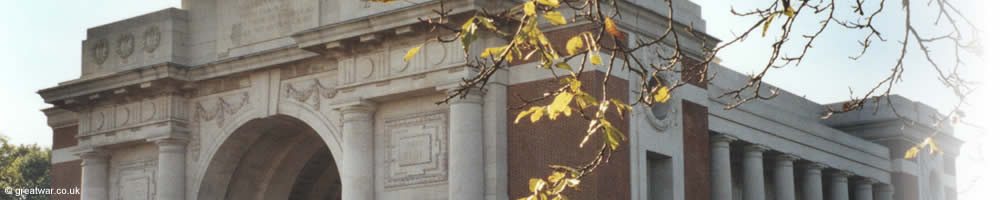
(248, 22)
(417, 150)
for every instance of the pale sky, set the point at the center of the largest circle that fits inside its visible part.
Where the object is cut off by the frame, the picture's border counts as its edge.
(40, 47)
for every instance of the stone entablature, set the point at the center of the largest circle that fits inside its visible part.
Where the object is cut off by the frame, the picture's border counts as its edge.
(154, 38)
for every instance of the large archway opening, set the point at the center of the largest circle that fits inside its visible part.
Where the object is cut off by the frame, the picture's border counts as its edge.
(272, 158)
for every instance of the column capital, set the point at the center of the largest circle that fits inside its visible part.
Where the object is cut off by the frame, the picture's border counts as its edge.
(355, 106)
(755, 148)
(866, 181)
(92, 153)
(815, 165)
(787, 157)
(841, 173)
(723, 138)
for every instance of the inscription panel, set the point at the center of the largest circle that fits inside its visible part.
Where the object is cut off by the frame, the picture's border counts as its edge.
(246, 22)
(417, 150)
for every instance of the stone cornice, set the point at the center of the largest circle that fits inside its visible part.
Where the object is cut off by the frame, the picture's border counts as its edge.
(75, 92)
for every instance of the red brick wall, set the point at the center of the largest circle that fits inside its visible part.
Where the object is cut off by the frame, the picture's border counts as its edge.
(533, 147)
(64, 137)
(697, 178)
(66, 175)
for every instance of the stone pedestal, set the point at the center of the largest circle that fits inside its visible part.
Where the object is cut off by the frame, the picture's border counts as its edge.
(94, 183)
(784, 177)
(722, 178)
(465, 148)
(170, 171)
(753, 172)
(359, 163)
(812, 187)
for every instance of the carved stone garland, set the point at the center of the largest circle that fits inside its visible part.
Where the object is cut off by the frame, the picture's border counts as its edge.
(315, 90)
(222, 109)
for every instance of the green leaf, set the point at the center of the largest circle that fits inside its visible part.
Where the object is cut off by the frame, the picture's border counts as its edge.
(595, 58)
(468, 33)
(661, 94)
(412, 52)
(565, 66)
(529, 8)
(573, 45)
(611, 134)
(555, 17)
(585, 100)
(574, 84)
(553, 3)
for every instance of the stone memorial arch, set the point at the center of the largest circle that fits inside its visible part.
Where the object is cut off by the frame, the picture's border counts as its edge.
(311, 99)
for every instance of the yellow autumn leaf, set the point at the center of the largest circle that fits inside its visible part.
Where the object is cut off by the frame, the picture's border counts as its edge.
(493, 51)
(556, 176)
(789, 11)
(912, 152)
(565, 66)
(529, 8)
(536, 185)
(555, 17)
(661, 94)
(611, 28)
(412, 52)
(767, 24)
(553, 3)
(537, 114)
(560, 105)
(573, 45)
(595, 59)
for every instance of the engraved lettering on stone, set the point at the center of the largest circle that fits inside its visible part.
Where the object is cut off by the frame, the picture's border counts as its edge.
(222, 109)
(416, 150)
(126, 44)
(99, 51)
(259, 20)
(313, 91)
(151, 39)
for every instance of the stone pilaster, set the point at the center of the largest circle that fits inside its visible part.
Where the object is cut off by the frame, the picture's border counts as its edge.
(170, 172)
(812, 187)
(838, 185)
(722, 177)
(465, 147)
(753, 172)
(94, 185)
(358, 169)
(863, 189)
(784, 177)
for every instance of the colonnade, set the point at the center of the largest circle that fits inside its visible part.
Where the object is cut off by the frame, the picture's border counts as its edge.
(784, 179)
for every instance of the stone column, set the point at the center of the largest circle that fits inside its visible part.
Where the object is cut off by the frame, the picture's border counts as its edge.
(784, 177)
(94, 185)
(753, 172)
(722, 174)
(863, 189)
(838, 185)
(359, 152)
(812, 187)
(465, 147)
(170, 169)
(883, 192)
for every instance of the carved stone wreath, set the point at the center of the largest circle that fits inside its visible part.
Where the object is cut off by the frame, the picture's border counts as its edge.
(126, 44)
(151, 39)
(99, 51)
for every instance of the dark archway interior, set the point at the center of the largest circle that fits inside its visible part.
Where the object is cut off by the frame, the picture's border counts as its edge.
(272, 158)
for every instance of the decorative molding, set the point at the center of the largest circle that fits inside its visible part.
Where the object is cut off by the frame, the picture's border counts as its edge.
(126, 44)
(123, 115)
(151, 39)
(222, 109)
(99, 51)
(416, 150)
(314, 91)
